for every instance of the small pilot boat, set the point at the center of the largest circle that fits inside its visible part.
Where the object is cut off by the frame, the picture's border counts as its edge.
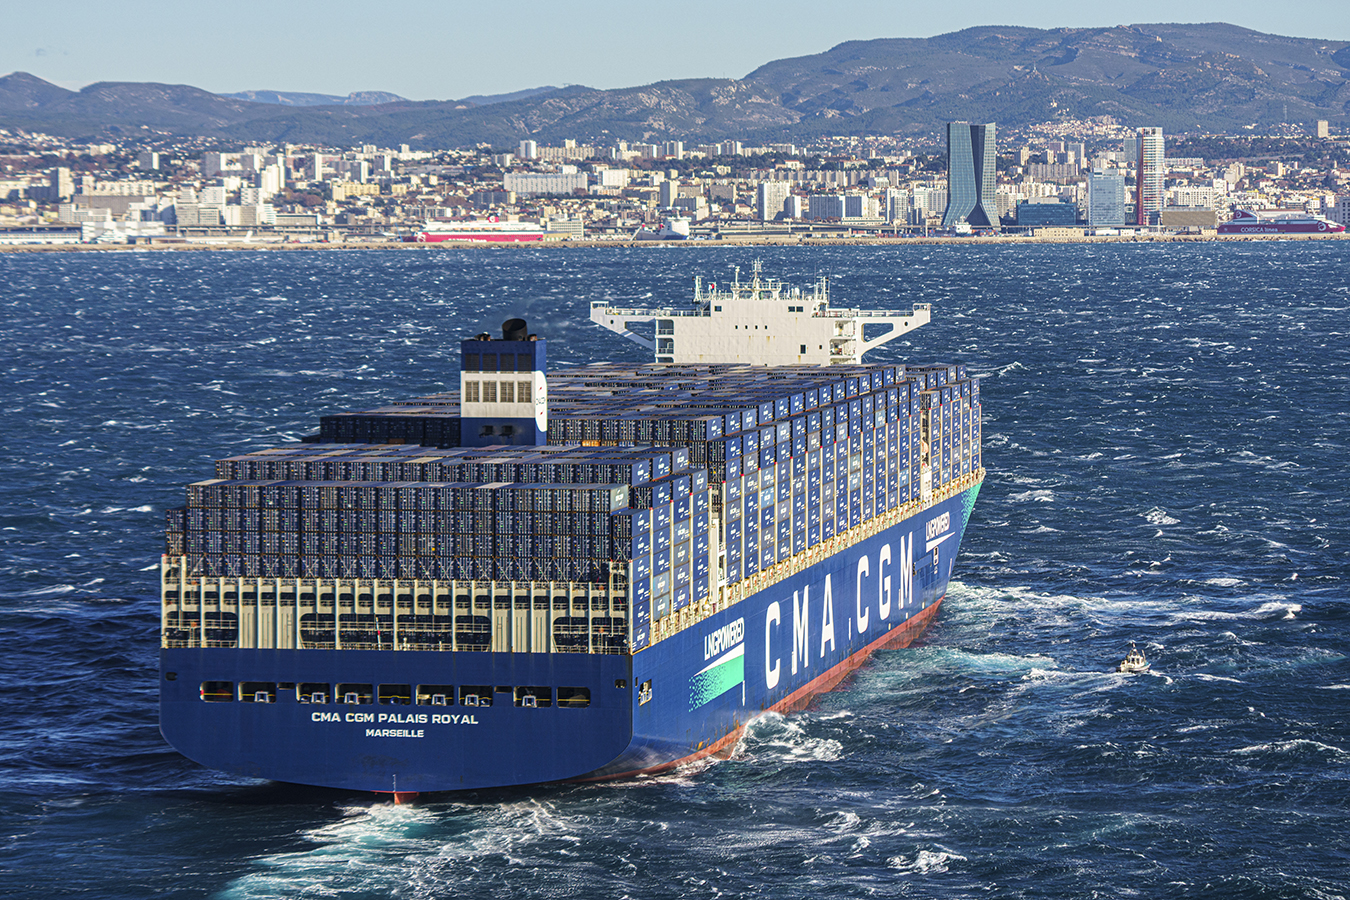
(1134, 662)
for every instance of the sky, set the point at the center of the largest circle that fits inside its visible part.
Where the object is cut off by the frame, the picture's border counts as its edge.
(449, 49)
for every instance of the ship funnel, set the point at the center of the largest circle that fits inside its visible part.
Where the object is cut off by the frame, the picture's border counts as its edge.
(503, 389)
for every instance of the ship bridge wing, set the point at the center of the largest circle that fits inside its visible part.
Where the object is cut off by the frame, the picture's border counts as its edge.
(715, 333)
(619, 320)
(760, 322)
(850, 344)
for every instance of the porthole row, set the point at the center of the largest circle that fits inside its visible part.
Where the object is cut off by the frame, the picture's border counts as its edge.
(358, 694)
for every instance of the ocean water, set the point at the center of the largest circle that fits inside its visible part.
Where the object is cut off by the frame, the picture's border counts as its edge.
(1167, 431)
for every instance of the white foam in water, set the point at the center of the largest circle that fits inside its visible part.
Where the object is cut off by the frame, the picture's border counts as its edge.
(1201, 676)
(1008, 663)
(1265, 610)
(1295, 746)
(845, 821)
(371, 844)
(54, 590)
(1157, 516)
(925, 862)
(1045, 674)
(387, 850)
(1039, 496)
(785, 739)
(684, 775)
(1289, 610)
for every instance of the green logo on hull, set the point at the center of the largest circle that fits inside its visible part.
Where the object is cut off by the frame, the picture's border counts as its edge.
(718, 677)
(968, 505)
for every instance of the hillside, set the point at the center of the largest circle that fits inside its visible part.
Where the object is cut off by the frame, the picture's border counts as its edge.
(1185, 78)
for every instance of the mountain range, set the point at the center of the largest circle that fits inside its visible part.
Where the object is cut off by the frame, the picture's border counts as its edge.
(1184, 78)
(296, 98)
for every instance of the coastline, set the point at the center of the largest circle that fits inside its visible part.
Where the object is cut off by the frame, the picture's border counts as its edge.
(733, 240)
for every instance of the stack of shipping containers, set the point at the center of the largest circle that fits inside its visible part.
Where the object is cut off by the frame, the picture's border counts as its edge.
(660, 487)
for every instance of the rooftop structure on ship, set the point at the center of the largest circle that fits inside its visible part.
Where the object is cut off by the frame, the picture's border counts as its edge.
(760, 322)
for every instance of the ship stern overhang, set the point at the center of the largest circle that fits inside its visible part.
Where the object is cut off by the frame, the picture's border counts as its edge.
(379, 727)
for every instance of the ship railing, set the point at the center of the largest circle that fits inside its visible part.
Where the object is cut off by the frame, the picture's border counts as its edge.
(865, 313)
(671, 313)
(391, 614)
(663, 313)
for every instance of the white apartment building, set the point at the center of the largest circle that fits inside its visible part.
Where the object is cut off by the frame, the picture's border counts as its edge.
(530, 184)
(612, 178)
(1194, 196)
(271, 180)
(860, 206)
(255, 214)
(357, 170)
(70, 214)
(769, 199)
(667, 194)
(1150, 172)
(1340, 211)
(895, 205)
(825, 206)
(92, 188)
(926, 201)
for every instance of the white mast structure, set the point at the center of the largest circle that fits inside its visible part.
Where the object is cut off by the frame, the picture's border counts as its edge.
(761, 322)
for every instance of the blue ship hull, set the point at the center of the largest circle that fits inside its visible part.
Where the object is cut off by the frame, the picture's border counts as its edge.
(687, 695)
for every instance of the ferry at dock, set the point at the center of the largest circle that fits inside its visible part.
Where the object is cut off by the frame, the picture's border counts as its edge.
(491, 230)
(1278, 221)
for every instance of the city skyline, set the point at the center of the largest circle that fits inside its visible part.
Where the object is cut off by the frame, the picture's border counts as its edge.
(1054, 183)
(341, 49)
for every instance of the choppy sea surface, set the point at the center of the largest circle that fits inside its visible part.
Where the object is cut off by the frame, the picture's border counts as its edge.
(1167, 432)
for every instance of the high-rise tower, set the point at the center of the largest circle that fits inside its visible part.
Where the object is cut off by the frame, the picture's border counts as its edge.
(769, 198)
(1106, 198)
(971, 168)
(1149, 175)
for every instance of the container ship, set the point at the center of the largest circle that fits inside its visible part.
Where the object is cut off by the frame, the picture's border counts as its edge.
(1278, 221)
(577, 574)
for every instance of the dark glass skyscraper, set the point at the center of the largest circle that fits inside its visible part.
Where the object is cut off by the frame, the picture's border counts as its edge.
(971, 168)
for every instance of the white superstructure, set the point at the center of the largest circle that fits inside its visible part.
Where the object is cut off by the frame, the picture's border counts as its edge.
(760, 322)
